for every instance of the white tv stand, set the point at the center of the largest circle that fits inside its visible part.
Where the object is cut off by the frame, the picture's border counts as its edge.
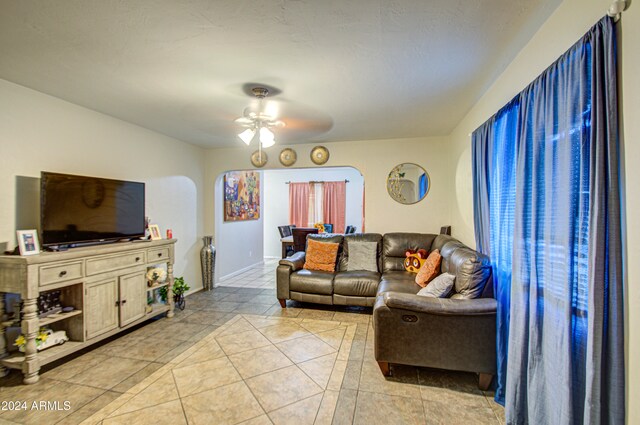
(106, 285)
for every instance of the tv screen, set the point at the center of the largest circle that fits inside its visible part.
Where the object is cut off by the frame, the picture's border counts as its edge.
(76, 209)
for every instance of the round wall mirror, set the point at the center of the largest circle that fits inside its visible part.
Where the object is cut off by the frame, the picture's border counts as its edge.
(408, 183)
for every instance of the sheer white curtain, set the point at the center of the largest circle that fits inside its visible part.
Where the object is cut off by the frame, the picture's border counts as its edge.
(316, 199)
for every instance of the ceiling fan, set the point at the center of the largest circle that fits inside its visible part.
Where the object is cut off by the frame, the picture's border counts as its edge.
(259, 120)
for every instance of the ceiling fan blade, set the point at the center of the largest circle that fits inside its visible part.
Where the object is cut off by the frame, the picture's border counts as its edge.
(265, 116)
(243, 121)
(250, 112)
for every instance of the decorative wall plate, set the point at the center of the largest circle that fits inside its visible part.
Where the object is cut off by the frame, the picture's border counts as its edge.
(319, 155)
(259, 159)
(288, 157)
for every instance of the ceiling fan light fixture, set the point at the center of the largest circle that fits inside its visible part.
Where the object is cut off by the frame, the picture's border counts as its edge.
(247, 136)
(267, 138)
(259, 119)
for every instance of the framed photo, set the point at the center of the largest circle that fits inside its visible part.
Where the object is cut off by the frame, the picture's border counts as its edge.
(28, 242)
(154, 230)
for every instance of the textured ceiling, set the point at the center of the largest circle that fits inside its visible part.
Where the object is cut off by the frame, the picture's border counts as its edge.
(346, 70)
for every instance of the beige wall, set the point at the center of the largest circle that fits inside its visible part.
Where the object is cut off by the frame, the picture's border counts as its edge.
(374, 159)
(43, 133)
(568, 23)
(239, 244)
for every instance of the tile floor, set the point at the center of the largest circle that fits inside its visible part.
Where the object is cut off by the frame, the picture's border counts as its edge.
(262, 276)
(234, 355)
(260, 368)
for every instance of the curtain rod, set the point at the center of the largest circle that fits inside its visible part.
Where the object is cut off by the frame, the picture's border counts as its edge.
(616, 9)
(317, 181)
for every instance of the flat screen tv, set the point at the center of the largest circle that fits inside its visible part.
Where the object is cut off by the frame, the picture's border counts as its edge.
(80, 210)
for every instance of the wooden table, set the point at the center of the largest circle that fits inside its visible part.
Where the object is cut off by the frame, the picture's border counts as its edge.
(286, 242)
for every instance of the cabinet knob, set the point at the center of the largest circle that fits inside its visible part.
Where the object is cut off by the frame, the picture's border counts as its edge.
(62, 273)
(159, 254)
(117, 303)
(123, 302)
(137, 258)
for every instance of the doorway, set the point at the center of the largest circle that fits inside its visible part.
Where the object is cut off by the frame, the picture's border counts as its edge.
(247, 245)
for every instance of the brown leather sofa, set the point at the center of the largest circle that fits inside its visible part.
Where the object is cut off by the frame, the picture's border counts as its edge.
(341, 287)
(456, 333)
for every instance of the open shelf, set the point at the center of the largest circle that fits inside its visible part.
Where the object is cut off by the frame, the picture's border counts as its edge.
(52, 318)
(49, 355)
(151, 288)
(158, 308)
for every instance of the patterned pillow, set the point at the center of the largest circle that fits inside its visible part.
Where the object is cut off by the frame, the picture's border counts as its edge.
(430, 268)
(440, 287)
(321, 256)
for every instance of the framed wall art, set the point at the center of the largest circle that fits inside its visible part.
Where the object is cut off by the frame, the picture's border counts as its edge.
(241, 195)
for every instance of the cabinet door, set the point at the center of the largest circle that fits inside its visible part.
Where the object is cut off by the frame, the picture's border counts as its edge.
(133, 297)
(101, 310)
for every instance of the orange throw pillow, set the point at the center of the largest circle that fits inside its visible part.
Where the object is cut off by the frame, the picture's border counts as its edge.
(321, 256)
(430, 268)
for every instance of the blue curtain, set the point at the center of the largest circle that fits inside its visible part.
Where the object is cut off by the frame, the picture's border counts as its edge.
(547, 212)
(494, 170)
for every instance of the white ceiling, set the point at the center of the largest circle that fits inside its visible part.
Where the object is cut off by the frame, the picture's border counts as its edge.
(347, 70)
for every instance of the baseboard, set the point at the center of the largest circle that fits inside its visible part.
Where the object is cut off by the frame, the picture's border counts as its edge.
(272, 258)
(237, 272)
(193, 291)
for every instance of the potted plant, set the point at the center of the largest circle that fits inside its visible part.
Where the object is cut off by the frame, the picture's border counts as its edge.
(179, 288)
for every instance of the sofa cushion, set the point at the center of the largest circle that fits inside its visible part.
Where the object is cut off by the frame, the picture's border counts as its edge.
(326, 237)
(430, 268)
(357, 237)
(472, 270)
(440, 287)
(395, 245)
(311, 282)
(356, 283)
(446, 251)
(441, 240)
(363, 256)
(399, 275)
(321, 256)
(398, 282)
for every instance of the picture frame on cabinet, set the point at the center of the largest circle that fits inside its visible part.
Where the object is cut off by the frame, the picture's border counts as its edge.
(154, 231)
(28, 242)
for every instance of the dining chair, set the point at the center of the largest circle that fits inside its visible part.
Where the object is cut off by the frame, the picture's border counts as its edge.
(300, 237)
(284, 231)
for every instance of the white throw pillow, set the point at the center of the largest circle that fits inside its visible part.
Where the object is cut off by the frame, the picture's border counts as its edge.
(440, 287)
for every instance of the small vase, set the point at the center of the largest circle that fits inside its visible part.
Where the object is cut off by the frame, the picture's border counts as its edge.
(208, 262)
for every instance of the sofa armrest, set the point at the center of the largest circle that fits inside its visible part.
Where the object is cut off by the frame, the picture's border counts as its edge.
(296, 261)
(283, 273)
(440, 306)
(432, 332)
